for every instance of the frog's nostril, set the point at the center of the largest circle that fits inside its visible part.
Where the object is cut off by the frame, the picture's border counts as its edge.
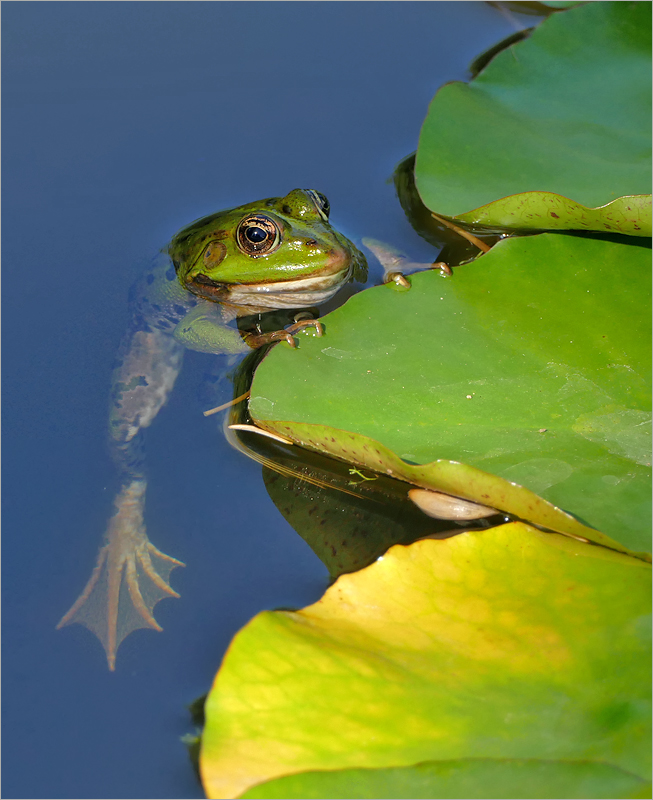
(311, 242)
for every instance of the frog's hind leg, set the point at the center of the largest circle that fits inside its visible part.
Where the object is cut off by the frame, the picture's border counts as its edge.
(129, 579)
(131, 575)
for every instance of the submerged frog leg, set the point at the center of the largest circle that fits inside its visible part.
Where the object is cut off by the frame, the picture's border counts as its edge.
(125, 584)
(131, 574)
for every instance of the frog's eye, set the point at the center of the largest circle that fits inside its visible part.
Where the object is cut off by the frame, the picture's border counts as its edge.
(258, 235)
(321, 203)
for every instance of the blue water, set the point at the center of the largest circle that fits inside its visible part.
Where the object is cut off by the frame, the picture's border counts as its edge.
(122, 123)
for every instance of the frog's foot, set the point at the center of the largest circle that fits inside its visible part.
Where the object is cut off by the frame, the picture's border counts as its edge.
(129, 579)
(396, 265)
(256, 340)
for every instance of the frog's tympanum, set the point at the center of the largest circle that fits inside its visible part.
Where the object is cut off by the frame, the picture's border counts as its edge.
(279, 253)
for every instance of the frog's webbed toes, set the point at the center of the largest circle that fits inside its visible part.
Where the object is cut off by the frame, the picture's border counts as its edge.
(147, 572)
(128, 581)
(133, 586)
(165, 565)
(143, 596)
(71, 615)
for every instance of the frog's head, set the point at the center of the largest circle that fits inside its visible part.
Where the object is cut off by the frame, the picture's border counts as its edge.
(276, 253)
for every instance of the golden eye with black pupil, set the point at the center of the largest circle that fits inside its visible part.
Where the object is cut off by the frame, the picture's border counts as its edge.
(258, 235)
(321, 203)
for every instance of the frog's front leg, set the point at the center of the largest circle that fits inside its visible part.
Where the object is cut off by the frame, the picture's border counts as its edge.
(204, 329)
(131, 574)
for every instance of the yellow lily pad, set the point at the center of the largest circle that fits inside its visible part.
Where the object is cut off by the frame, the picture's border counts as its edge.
(502, 644)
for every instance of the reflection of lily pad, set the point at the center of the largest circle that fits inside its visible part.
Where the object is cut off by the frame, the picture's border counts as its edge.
(554, 133)
(532, 363)
(344, 531)
(348, 516)
(502, 644)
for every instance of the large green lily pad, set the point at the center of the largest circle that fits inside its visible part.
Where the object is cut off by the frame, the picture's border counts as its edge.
(532, 364)
(554, 133)
(502, 644)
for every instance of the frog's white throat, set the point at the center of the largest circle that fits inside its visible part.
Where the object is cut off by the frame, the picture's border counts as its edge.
(287, 294)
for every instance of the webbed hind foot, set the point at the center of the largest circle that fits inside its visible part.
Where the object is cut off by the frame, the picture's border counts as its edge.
(129, 579)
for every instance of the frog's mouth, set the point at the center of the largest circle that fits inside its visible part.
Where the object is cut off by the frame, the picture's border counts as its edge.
(310, 291)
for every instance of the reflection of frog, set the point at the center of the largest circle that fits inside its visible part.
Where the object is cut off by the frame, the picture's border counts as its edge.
(273, 254)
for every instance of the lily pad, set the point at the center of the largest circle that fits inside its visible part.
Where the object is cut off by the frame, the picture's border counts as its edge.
(468, 777)
(448, 477)
(531, 363)
(554, 133)
(502, 644)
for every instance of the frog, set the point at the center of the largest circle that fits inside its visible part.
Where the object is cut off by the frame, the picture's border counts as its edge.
(272, 254)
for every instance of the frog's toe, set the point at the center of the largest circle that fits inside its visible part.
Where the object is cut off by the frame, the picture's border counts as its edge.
(445, 269)
(145, 560)
(155, 551)
(306, 323)
(398, 278)
(133, 587)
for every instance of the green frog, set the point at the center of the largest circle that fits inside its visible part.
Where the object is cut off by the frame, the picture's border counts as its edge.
(278, 253)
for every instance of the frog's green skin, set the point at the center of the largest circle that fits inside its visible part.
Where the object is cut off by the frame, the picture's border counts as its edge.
(273, 254)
